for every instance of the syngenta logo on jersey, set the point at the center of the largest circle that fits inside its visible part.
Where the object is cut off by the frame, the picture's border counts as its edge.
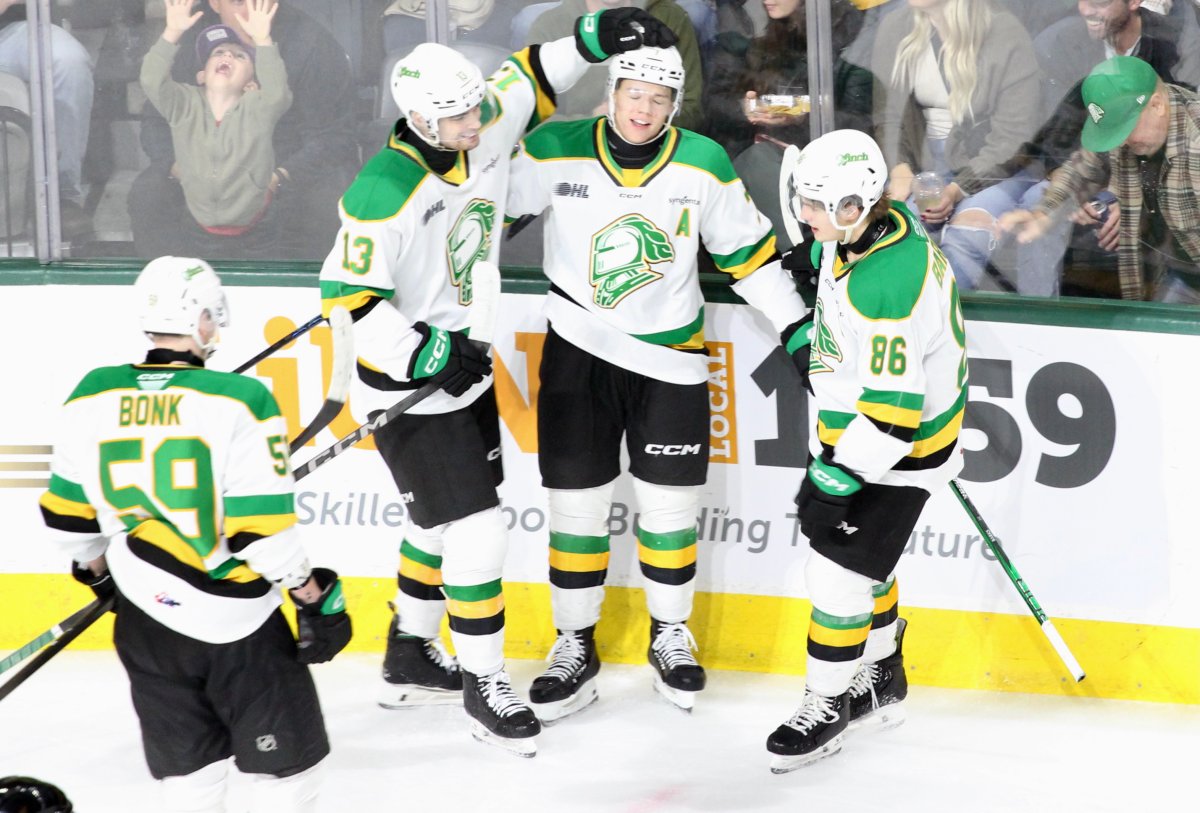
(852, 158)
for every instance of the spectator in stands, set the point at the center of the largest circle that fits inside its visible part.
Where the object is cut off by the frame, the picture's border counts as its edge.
(958, 94)
(314, 142)
(221, 131)
(1067, 51)
(588, 97)
(482, 21)
(1146, 133)
(74, 89)
(755, 133)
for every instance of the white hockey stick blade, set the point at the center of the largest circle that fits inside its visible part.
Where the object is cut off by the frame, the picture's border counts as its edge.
(485, 302)
(342, 327)
(787, 204)
(1064, 652)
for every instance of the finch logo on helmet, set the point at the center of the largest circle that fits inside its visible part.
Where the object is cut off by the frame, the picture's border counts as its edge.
(470, 241)
(852, 157)
(194, 271)
(622, 255)
(410, 73)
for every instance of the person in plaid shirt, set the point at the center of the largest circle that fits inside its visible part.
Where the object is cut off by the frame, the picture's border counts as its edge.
(1141, 137)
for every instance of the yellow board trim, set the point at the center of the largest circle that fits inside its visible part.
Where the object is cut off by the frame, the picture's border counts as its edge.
(944, 648)
(667, 559)
(475, 609)
(578, 562)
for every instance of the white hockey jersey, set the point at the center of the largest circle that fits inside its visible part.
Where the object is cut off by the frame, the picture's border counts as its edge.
(889, 359)
(410, 236)
(621, 245)
(185, 471)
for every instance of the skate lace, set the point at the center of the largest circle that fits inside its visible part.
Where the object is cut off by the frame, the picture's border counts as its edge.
(497, 692)
(438, 655)
(814, 709)
(864, 682)
(674, 644)
(567, 656)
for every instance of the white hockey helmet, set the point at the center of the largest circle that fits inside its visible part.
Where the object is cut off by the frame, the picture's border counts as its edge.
(437, 82)
(658, 66)
(172, 295)
(842, 167)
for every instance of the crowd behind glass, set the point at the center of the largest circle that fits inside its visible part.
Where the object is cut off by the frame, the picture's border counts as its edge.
(976, 104)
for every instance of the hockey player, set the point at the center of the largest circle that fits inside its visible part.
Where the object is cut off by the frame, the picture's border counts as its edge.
(630, 198)
(421, 213)
(888, 368)
(170, 485)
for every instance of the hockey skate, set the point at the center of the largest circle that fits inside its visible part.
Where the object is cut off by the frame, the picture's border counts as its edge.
(878, 690)
(569, 685)
(498, 717)
(815, 731)
(677, 676)
(418, 672)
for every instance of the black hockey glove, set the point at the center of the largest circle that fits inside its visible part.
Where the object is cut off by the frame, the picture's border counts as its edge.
(825, 498)
(601, 34)
(103, 585)
(324, 625)
(797, 341)
(449, 359)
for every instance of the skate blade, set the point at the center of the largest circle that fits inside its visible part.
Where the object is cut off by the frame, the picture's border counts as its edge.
(684, 701)
(410, 696)
(552, 712)
(523, 747)
(786, 764)
(883, 718)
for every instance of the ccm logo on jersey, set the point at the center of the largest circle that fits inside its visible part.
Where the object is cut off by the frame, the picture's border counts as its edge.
(673, 448)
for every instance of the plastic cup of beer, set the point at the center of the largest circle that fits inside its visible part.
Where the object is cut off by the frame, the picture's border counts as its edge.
(927, 190)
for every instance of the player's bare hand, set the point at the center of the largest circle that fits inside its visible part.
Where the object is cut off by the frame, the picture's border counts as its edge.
(257, 22)
(179, 18)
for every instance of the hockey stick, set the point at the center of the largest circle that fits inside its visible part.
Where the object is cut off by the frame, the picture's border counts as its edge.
(485, 305)
(295, 334)
(484, 309)
(339, 377)
(58, 636)
(993, 542)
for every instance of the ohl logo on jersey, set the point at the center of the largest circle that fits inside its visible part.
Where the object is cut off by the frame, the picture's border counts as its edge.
(622, 255)
(470, 240)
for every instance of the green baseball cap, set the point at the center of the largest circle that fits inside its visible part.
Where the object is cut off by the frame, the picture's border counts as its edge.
(1114, 94)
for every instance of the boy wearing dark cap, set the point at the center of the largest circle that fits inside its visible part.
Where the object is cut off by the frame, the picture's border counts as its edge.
(1140, 139)
(221, 127)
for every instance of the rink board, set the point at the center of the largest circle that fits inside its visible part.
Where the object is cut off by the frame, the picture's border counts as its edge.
(1079, 453)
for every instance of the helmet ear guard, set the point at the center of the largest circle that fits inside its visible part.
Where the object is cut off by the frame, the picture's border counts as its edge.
(436, 82)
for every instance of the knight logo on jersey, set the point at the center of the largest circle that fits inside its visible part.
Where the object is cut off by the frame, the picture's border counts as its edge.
(470, 240)
(823, 344)
(622, 255)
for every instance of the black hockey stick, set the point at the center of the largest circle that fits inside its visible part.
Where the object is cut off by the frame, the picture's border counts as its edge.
(58, 637)
(993, 542)
(291, 337)
(339, 377)
(485, 281)
(70, 628)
